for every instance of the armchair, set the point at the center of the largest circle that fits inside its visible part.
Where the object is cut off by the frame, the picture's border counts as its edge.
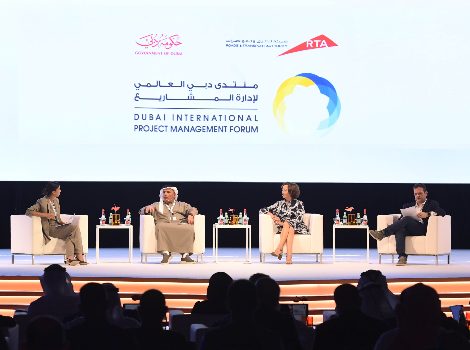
(303, 244)
(437, 240)
(27, 237)
(148, 239)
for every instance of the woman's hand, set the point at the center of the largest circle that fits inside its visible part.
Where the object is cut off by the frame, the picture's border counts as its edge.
(50, 216)
(276, 220)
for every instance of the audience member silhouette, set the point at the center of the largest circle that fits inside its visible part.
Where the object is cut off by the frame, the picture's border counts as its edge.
(114, 311)
(257, 276)
(5, 323)
(151, 335)
(242, 332)
(376, 299)
(350, 329)
(376, 277)
(419, 324)
(45, 333)
(216, 302)
(269, 316)
(59, 299)
(94, 331)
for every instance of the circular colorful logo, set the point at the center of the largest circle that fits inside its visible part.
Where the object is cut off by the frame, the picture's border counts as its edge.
(307, 79)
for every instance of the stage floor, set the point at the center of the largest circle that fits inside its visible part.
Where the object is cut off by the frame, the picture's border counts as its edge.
(348, 266)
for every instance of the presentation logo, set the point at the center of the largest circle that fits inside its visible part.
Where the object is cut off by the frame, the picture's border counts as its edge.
(159, 41)
(306, 80)
(159, 45)
(319, 42)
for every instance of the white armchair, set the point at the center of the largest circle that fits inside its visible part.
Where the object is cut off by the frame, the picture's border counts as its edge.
(27, 237)
(303, 244)
(436, 242)
(148, 239)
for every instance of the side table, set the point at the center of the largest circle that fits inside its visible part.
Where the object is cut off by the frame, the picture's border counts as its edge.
(130, 228)
(215, 240)
(348, 227)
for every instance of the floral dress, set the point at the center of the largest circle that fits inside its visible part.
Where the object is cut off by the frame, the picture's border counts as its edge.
(292, 212)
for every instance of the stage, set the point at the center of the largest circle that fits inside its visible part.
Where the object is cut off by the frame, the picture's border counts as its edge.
(305, 281)
(348, 266)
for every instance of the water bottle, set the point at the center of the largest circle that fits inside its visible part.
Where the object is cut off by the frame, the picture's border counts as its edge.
(337, 218)
(345, 219)
(364, 218)
(358, 219)
(127, 220)
(102, 218)
(220, 219)
(226, 219)
(245, 217)
(110, 221)
(240, 219)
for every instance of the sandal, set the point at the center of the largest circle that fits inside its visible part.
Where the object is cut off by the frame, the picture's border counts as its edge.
(81, 262)
(71, 262)
(289, 259)
(279, 256)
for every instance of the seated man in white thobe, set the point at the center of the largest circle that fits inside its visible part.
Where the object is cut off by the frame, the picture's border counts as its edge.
(174, 225)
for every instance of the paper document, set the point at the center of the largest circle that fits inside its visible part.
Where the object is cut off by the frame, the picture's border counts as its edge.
(66, 219)
(411, 212)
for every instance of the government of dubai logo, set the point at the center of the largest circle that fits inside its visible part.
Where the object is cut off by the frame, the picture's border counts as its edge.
(315, 118)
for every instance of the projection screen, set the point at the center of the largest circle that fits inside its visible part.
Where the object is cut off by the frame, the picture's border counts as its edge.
(306, 91)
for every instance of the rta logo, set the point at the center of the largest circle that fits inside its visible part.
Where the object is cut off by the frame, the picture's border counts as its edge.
(316, 43)
(319, 42)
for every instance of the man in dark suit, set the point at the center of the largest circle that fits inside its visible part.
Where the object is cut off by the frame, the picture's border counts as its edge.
(409, 226)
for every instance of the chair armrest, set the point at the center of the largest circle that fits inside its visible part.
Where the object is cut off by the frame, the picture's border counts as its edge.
(199, 246)
(438, 235)
(315, 228)
(26, 234)
(267, 229)
(147, 239)
(385, 220)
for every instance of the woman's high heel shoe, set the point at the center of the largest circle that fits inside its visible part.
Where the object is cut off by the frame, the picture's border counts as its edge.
(81, 262)
(279, 256)
(289, 260)
(71, 262)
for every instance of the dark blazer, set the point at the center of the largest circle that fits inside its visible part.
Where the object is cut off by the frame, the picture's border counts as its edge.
(429, 206)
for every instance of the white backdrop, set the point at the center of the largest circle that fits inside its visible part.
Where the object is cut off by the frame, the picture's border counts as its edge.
(82, 79)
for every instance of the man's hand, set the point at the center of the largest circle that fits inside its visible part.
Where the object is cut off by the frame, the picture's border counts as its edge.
(50, 216)
(190, 219)
(423, 215)
(149, 209)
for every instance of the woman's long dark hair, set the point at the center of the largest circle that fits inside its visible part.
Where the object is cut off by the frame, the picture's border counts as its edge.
(50, 187)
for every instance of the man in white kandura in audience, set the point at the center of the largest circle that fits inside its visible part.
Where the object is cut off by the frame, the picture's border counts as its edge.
(174, 225)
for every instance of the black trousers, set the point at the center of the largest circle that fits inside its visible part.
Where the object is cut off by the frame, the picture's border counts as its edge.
(406, 226)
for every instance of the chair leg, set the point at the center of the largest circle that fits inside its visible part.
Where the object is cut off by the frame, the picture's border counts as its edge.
(380, 258)
(141, 258)
(437, 260)
(448, 258)
(316, 257)
(32, 259)
(12, 259)
(393, 258)
(321, 258)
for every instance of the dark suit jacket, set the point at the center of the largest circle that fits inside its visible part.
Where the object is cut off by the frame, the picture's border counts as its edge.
(429, 206)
